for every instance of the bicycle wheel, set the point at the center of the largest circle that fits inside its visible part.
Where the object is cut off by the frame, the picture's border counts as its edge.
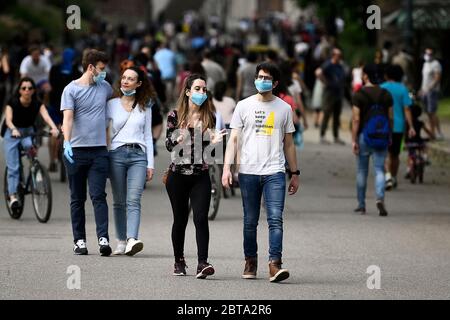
(41, 191)
(216, 188)
(17, 213)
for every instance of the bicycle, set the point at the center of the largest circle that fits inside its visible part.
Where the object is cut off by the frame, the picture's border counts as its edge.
(215, 174)
(37, 183)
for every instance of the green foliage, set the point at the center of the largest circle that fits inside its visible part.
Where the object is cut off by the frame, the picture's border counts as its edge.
(444, 109)
(87, 7)
(355, 38)
(47, 18)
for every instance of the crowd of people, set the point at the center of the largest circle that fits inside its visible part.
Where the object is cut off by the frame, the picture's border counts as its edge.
(110, 106)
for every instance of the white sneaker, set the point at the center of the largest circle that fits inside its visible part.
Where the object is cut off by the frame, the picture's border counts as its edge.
(120, 249)
(133, 246)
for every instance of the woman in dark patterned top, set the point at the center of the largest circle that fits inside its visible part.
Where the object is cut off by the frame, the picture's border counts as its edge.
(192, 122)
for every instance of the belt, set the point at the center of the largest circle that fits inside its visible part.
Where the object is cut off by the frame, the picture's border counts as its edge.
(132, 145)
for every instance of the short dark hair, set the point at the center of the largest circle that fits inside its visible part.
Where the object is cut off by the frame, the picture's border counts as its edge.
(270, 68)
(34, 48)
(93, 56)
(374, 72)
(394, 72)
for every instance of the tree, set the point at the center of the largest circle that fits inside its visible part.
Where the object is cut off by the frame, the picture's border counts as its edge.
(353, 11)
(357, 41)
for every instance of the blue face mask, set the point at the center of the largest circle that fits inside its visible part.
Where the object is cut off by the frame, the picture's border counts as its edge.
(263, 85)
(128, 93)
(100, 77)
(198, 98)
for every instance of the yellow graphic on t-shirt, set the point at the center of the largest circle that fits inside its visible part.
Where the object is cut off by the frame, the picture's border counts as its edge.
(266, 129)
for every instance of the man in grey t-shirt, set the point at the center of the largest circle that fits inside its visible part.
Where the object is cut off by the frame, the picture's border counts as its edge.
(85, 155)
(264, 124)
(429, 90)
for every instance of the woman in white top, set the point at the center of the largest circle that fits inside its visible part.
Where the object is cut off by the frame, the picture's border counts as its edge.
(131, 155)
(224, 105)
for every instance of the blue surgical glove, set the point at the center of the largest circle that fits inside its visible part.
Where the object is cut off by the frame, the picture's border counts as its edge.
(68, 153)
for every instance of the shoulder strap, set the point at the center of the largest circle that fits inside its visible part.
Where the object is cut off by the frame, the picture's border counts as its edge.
(367, 95)
(117, 132)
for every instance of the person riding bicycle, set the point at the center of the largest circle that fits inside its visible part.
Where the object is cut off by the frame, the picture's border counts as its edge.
(20, 115)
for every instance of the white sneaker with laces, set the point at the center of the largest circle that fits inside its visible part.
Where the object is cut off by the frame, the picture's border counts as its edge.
(121, 246)
(133, 246)
(80, 248)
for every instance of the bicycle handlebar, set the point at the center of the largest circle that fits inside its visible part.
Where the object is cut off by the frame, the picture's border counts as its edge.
(35, 134)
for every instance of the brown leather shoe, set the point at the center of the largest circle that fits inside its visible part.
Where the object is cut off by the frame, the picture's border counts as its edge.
(251, 265)
(277, 274)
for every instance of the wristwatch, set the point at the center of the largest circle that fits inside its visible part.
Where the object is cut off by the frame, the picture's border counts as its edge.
(294, 173)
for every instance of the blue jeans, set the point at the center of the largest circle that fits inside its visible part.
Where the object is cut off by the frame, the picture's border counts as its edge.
(91, 167)
(128, 170)
(273, 188)
(378, 158)
(11, 147)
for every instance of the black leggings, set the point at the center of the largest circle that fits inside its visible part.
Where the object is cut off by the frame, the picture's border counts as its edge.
(197, 188)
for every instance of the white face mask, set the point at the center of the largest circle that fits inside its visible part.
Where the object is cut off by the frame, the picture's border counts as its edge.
(427, 57)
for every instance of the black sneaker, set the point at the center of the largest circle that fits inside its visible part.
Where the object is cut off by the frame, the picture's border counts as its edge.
(105, 249)
(381, 209)
(79, 248)
(360, 210)
(204, 269)
(180, 268)
(14, 204)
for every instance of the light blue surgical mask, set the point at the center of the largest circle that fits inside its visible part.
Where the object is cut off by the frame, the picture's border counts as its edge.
(263, 85)
(100, 77)
(128, 93)
(198, 98)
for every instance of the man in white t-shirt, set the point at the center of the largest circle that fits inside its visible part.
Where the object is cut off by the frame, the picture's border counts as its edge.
(429, 90)
(37, 67)
(262, 127)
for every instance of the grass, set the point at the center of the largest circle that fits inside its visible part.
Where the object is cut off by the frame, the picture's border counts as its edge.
(444, 109)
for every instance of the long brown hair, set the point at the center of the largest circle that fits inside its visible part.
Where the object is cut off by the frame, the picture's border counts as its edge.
(144, 93)
(206, 109)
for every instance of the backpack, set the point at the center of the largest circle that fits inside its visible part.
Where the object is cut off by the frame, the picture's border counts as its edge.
(377, 130)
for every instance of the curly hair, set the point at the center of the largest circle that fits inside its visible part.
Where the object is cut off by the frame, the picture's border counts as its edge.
(144, 93)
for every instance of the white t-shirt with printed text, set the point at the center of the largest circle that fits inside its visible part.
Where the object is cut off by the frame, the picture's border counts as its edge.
(263, 127)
